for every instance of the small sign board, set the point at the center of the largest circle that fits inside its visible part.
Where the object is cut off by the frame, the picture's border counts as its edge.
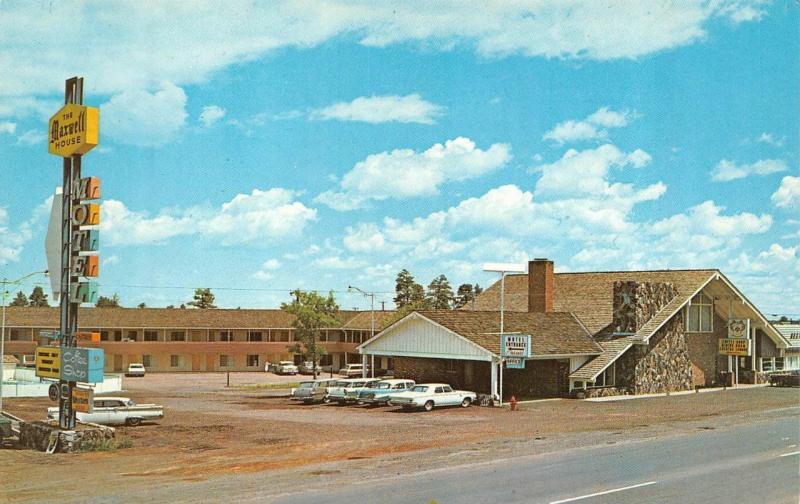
(91, 337)
(515, 363)
(734, 346)
(82, 364)
(46, 334)
(739, 328)
(515, 345)
(82, 399)
(48, 362)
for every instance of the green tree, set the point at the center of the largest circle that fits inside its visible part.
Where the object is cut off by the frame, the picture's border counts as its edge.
(312, 312)
(466, 294)
(20, 300)
(38, 297)
(440, 294)
(141, 305)
(203, 299)
(108, 302)
(407, 291)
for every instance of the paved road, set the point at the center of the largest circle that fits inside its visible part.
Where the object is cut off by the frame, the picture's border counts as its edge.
(749, 463)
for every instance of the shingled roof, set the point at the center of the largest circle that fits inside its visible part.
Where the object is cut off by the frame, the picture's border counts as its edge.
(133, 318)
(551, 333)
(363, 320)
(590, 295)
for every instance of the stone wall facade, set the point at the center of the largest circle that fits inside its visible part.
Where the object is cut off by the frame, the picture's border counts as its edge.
(663, 365)
(636, 302)
(36, 436)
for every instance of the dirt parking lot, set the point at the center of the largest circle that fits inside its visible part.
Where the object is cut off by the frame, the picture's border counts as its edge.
(210, 431)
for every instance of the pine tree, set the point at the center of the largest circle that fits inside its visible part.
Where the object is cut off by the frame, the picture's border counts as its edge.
(38, 297)
(466, 294)
(108, 302)
(203, 298)
(440, 294)
(407, 290)
(20, 300)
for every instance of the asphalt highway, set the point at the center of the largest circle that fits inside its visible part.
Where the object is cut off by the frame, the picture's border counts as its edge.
(747, 463)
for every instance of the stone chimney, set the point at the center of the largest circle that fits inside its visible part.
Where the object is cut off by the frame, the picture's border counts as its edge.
(540, 286)
(635, 303)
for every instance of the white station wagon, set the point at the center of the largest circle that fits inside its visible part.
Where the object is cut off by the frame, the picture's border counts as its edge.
(431, 395)
(116, 411)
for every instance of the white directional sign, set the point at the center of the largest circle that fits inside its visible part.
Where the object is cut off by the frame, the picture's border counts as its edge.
(52, 245)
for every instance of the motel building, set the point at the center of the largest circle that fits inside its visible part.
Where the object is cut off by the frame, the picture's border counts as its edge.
(592, 334)
(168, 340)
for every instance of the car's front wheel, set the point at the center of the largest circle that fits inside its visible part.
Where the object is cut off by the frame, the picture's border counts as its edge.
(428, 406)
(466, 402)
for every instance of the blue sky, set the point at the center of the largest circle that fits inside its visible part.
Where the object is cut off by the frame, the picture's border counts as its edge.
(261, 148)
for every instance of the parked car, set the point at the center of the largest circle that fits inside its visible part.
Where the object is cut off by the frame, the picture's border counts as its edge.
(785, 378)
(353, 370)
(379, 394)
(5, 429)
(431, 395)
(116, 411)
(286, 368)
(135, 369)
(313, 391)
(346, 390)
(307, 368)
(29, 361)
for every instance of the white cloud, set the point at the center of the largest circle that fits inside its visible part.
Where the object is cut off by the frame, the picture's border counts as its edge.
(110, 260)
(590, 128)
(404, 173)
(364, 238)
(769, 277)
(380, 109)
(788, 193)
(7, 127)
(587, 172)
(265, 273)
(769, 138)
(138, 117)
(339, 263)
(726, 171)
(261, 216)
(211, 114)
(31, 137)
(13, 239)
(140, 50)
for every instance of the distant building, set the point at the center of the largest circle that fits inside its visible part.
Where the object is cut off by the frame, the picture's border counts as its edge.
(600, 333)
(792, 358)
(191, 339)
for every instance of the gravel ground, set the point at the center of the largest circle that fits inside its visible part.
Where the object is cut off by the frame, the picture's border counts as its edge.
(214, 436)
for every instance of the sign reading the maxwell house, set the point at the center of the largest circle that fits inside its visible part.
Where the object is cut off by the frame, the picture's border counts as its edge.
(74, 130)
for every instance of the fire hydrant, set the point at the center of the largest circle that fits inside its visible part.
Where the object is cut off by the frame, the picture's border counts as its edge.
(513, 403)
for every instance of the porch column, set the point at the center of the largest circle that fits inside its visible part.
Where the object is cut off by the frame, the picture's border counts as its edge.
(494, 385)
(753, 350)
(364, 365)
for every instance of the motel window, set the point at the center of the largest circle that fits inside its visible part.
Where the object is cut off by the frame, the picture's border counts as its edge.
(778, 363)
(606, 378)
(323, 336)
(13, 335)
(146, 361)
(252, 361)
(701, 314)
(223, 361)
(174, 361)
(132, 335)
(256, 336)
(224, 335)
(326, 360)
(283, 335)
(117, 335)
(177, 336)
(103, 335)
(148, 336)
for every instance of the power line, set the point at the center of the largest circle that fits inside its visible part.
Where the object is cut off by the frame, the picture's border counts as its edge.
(218, 288)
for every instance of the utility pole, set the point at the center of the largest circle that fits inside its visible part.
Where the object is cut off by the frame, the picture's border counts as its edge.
(370, 295)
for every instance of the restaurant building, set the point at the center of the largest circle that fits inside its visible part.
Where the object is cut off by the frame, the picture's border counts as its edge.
(166, 339)
(592, 334)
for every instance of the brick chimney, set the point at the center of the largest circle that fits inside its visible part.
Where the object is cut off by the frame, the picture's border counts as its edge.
(540, 286)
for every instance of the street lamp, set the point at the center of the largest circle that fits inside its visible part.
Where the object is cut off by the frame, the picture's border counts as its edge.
(5, 283)
(503, 269)
(370, 295)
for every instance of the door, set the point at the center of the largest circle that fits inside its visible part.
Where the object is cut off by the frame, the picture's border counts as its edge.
(195, 362)
(118, 363)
